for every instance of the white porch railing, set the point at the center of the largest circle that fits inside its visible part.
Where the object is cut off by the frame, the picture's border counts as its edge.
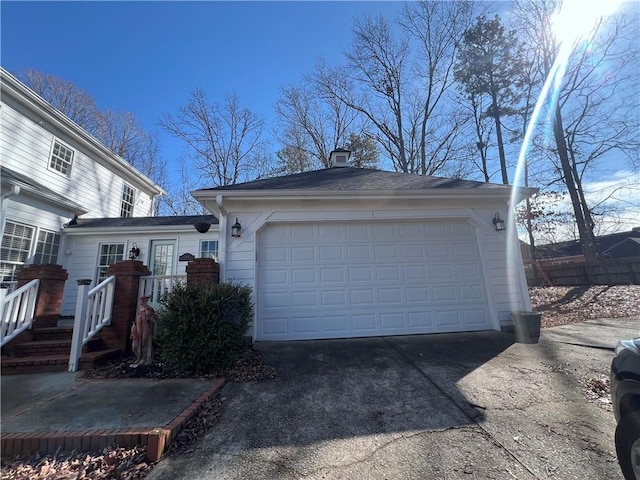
(93, 311)
(17, 309)
(154, 286)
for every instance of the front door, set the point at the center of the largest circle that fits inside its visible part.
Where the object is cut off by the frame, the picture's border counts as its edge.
(161, 260)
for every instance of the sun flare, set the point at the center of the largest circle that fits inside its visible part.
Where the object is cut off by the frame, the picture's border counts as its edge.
(576, 18)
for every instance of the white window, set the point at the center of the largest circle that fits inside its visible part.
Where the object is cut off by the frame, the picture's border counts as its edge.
(61, 158)
(110, 253)
(209, 249)
(47, 248)
(128, 198)
(16, 246)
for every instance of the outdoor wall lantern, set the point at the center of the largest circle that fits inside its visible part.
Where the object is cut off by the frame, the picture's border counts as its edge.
(236, 229)
(202, 227)
(498, 223)
(134, 252)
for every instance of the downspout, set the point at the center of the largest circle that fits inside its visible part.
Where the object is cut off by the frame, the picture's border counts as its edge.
(222, 246)
(14, 191)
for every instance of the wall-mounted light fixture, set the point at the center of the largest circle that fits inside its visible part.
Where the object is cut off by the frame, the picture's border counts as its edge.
(498, 223)
(236, 229)
(134, 252)
(202, 227)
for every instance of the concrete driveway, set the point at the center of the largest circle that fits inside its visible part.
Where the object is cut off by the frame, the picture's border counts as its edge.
(458, 406)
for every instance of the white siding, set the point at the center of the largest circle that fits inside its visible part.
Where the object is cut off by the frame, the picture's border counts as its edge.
(25, 147)
(81, 254)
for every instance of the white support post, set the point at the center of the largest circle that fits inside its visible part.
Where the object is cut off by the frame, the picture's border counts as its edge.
(78, 324)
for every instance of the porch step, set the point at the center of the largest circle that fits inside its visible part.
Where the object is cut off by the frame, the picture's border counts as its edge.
(52, 347)
(48, 350)
(52, 363)
(52, 333)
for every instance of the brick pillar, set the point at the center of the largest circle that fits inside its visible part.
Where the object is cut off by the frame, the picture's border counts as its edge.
(203, 271)
(125, 302)
(52, 278)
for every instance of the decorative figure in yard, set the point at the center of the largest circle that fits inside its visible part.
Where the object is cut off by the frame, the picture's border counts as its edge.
(142, 333)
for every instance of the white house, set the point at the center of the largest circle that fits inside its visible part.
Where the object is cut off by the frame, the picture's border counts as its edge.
(67, 199)
(349, 252)
(340, 252)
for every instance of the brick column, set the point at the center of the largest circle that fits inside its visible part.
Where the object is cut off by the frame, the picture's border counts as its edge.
(52, 278)
(203, 271)
(125, 302)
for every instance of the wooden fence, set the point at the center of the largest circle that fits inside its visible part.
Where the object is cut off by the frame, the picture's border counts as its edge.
(619, 271)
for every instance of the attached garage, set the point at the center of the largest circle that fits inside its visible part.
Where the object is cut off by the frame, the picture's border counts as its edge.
(349, 252)
(352, 279)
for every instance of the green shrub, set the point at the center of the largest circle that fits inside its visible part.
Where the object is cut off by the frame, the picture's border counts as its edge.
(202, 329)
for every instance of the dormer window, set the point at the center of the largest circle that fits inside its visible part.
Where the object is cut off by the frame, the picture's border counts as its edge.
(61, 158)
(128, 200)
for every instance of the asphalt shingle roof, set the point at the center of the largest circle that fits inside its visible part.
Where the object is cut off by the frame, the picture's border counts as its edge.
(351, 178)
(143, 221)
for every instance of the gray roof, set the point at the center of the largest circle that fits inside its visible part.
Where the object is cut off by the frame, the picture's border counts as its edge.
(36, 189)
(351, 178)
(143, 221)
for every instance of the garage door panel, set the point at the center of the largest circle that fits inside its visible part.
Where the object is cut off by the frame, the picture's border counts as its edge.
(420, 321)
(414, 273)
(441, 272)
(361, 298)
(438, 251)
(365, 279)
(417, 294)
(331, 253)
(332, 275)
(445, 293)
(390, 296)
(359, 252)
(364, 323)
(391, 321)
(360, 274)
(389, 273)
(333, 298)
(301, 276)
(447, 318)
(304, 299)
(303, 254)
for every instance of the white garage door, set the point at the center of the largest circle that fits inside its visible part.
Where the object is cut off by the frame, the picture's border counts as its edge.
(337, 280)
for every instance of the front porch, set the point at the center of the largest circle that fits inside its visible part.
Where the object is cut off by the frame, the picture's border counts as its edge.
(36, 339)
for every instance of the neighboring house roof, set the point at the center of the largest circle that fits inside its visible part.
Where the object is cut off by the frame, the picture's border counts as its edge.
(26, 96)
(572, 248)
(93, 225)
(36, 190)
(629, 247)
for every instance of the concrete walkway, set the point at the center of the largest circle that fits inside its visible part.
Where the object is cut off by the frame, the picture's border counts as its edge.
(50, 410)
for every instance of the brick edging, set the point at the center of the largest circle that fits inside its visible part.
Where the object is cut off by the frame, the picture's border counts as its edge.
(156, 439)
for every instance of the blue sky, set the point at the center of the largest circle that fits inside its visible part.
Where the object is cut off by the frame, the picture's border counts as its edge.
(146, 57)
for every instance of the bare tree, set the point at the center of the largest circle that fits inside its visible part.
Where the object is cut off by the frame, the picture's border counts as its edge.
(224, 139)
(399, 81)
(118, 131)
(583, 96)
(311, 125)
(74, 102)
